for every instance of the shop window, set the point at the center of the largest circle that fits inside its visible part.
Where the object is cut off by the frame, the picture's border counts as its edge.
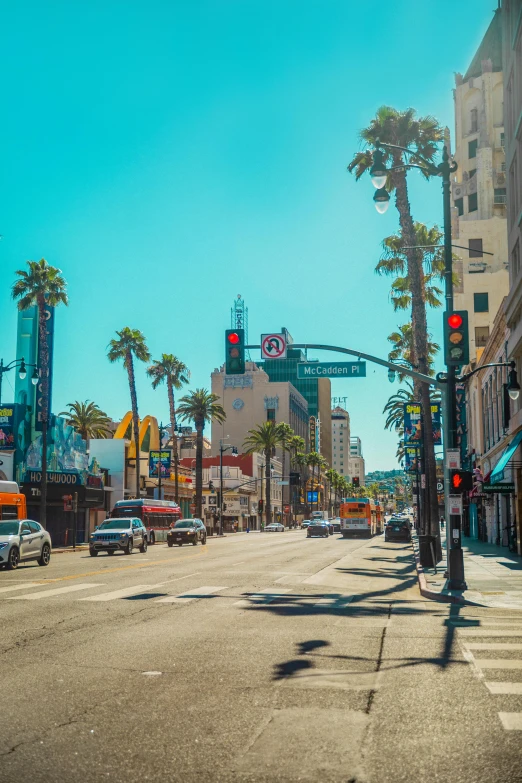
(472, 202)
(459, 203)
(472, 148)
(481, 303)
(475, 248)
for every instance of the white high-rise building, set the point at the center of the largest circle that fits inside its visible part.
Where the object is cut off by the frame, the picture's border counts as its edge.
(341, 441)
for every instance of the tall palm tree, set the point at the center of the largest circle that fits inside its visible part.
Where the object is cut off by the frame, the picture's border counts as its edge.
(41, 285)
(333, 482)
(420, 135)
(403, 351)
(264, 438)
(287, 434)
(131, 343)
(201, 407)
(88, 420)
(175, 373)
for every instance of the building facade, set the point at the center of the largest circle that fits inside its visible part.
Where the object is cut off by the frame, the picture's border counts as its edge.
(357, 465)
(479, 189)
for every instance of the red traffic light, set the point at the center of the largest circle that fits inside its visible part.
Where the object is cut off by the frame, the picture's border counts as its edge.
(233, 338)
(455, 320)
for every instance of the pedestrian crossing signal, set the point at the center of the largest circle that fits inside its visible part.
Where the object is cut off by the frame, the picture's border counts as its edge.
(460, 481)
(235, 351)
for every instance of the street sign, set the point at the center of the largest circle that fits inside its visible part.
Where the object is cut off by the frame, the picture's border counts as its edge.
(273, 346)
(455, 505)
(312, 497)
(453, 459)
(502, 489)
(440, 486)
(331, 370)
(283, 483)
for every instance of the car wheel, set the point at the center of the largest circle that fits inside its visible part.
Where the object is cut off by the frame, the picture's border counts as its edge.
(13, 559)
(204, 540)
(93, 552)
(143, 547)
(45, 555)
(169, 543)
(129, 547)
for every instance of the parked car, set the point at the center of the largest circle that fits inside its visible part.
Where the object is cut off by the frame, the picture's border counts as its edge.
(187, 531)
(275, 527)
(22, 540)
(335, 523)
(118, 535)
(305, 523)
(397, 529)
(319, 527)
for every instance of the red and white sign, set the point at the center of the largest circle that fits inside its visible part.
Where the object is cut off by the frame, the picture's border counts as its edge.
(455, 505)
(273, 346)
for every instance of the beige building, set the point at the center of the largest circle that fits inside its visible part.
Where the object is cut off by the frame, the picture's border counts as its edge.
(341, 441)
(479, 190)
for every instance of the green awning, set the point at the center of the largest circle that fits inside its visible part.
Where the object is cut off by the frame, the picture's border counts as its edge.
(497, 474)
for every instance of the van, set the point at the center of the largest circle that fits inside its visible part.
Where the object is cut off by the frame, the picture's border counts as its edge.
(13, 504)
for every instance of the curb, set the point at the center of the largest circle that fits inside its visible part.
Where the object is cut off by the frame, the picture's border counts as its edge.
(432, 594)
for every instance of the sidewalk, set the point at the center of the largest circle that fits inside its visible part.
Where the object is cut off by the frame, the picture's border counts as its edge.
(493, 575)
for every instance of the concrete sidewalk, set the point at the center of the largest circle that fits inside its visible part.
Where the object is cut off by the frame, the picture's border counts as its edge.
(493, 575)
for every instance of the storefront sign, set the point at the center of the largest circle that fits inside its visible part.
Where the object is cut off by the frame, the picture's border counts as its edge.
(462, 437)
(35, 477)
(502, 489)
(159, 461)
(7, 427)
(40, 412)
(313, 434)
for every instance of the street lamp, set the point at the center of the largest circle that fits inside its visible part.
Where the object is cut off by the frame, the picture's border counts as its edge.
(22, 371)
(513, 385)
(378, 171)
(391, 376)
(382, 200)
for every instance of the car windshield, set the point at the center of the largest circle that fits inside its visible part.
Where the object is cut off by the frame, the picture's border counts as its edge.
(8, 528)
(185, 523)
(114, 524)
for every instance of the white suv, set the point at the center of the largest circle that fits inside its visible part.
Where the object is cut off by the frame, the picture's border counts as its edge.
(118, 534)
(22, 540)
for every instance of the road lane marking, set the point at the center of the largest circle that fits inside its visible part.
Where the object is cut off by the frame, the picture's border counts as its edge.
(49, 593)
(482, 623)
(190, 595)
(122, 593)
(493, 646)
(261, 598)
(505, 688)
(20, 587)
(478, 632)
(497, 663)
(512, 721)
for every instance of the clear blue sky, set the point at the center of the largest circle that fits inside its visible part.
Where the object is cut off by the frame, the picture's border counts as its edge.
(170, 155)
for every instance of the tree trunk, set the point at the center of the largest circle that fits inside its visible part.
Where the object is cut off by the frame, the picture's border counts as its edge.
(135, 420)
(172, 409)
(420, 342)
(283, 478)
(199, 470)
(268, 487)
(44, 374)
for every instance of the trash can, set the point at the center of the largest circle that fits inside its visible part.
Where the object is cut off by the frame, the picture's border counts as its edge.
(427, 551)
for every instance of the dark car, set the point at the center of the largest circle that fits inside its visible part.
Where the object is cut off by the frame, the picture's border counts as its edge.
(187, 531)
(397, 529)
(318, 528)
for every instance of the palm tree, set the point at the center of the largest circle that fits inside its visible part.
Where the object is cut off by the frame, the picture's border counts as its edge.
(131, 343)
(43, 285)
(264, 438)
(201, 407)
(394, 408)
(287, 434)
(171, 370)
(403, 351)
(420, 135)
(333, 482)
(88, 420)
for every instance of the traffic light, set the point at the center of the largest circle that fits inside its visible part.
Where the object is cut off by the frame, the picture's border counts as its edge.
(460, 481)
(355, 481)
(295, 479)
(235, 351)
(456, 338)
(260, 506)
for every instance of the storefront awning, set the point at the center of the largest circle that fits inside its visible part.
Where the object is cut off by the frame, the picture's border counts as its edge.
(497, 474)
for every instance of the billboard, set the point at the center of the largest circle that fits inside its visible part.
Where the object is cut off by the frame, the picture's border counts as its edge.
(40, 412)
(159, 463)
(7, 438)
(312, 497)
(411, 456)
(413, 426)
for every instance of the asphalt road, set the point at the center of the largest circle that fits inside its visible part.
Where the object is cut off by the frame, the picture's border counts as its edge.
(259, 658)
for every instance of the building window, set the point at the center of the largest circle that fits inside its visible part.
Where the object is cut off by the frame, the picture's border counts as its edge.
(499, 196)
(474, 121)
(502, 140)
(472, 202)
(481, 336)
(475, 248)
(270, 414)
(515, 260)
(472, 148)
(459, 203)
(481, 303)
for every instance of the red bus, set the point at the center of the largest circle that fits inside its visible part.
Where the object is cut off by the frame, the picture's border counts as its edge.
(156, 515)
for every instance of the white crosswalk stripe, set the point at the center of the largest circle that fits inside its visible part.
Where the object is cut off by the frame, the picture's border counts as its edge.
(190, 595)
(24, 586)
(497, 663)
(512, 721)
(493, 646)
(484, 632)
(261, 598)
(505, 688)
(124, 592)
(56, 591)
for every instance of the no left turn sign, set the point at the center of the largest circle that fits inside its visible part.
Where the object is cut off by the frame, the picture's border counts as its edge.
(273, 346)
